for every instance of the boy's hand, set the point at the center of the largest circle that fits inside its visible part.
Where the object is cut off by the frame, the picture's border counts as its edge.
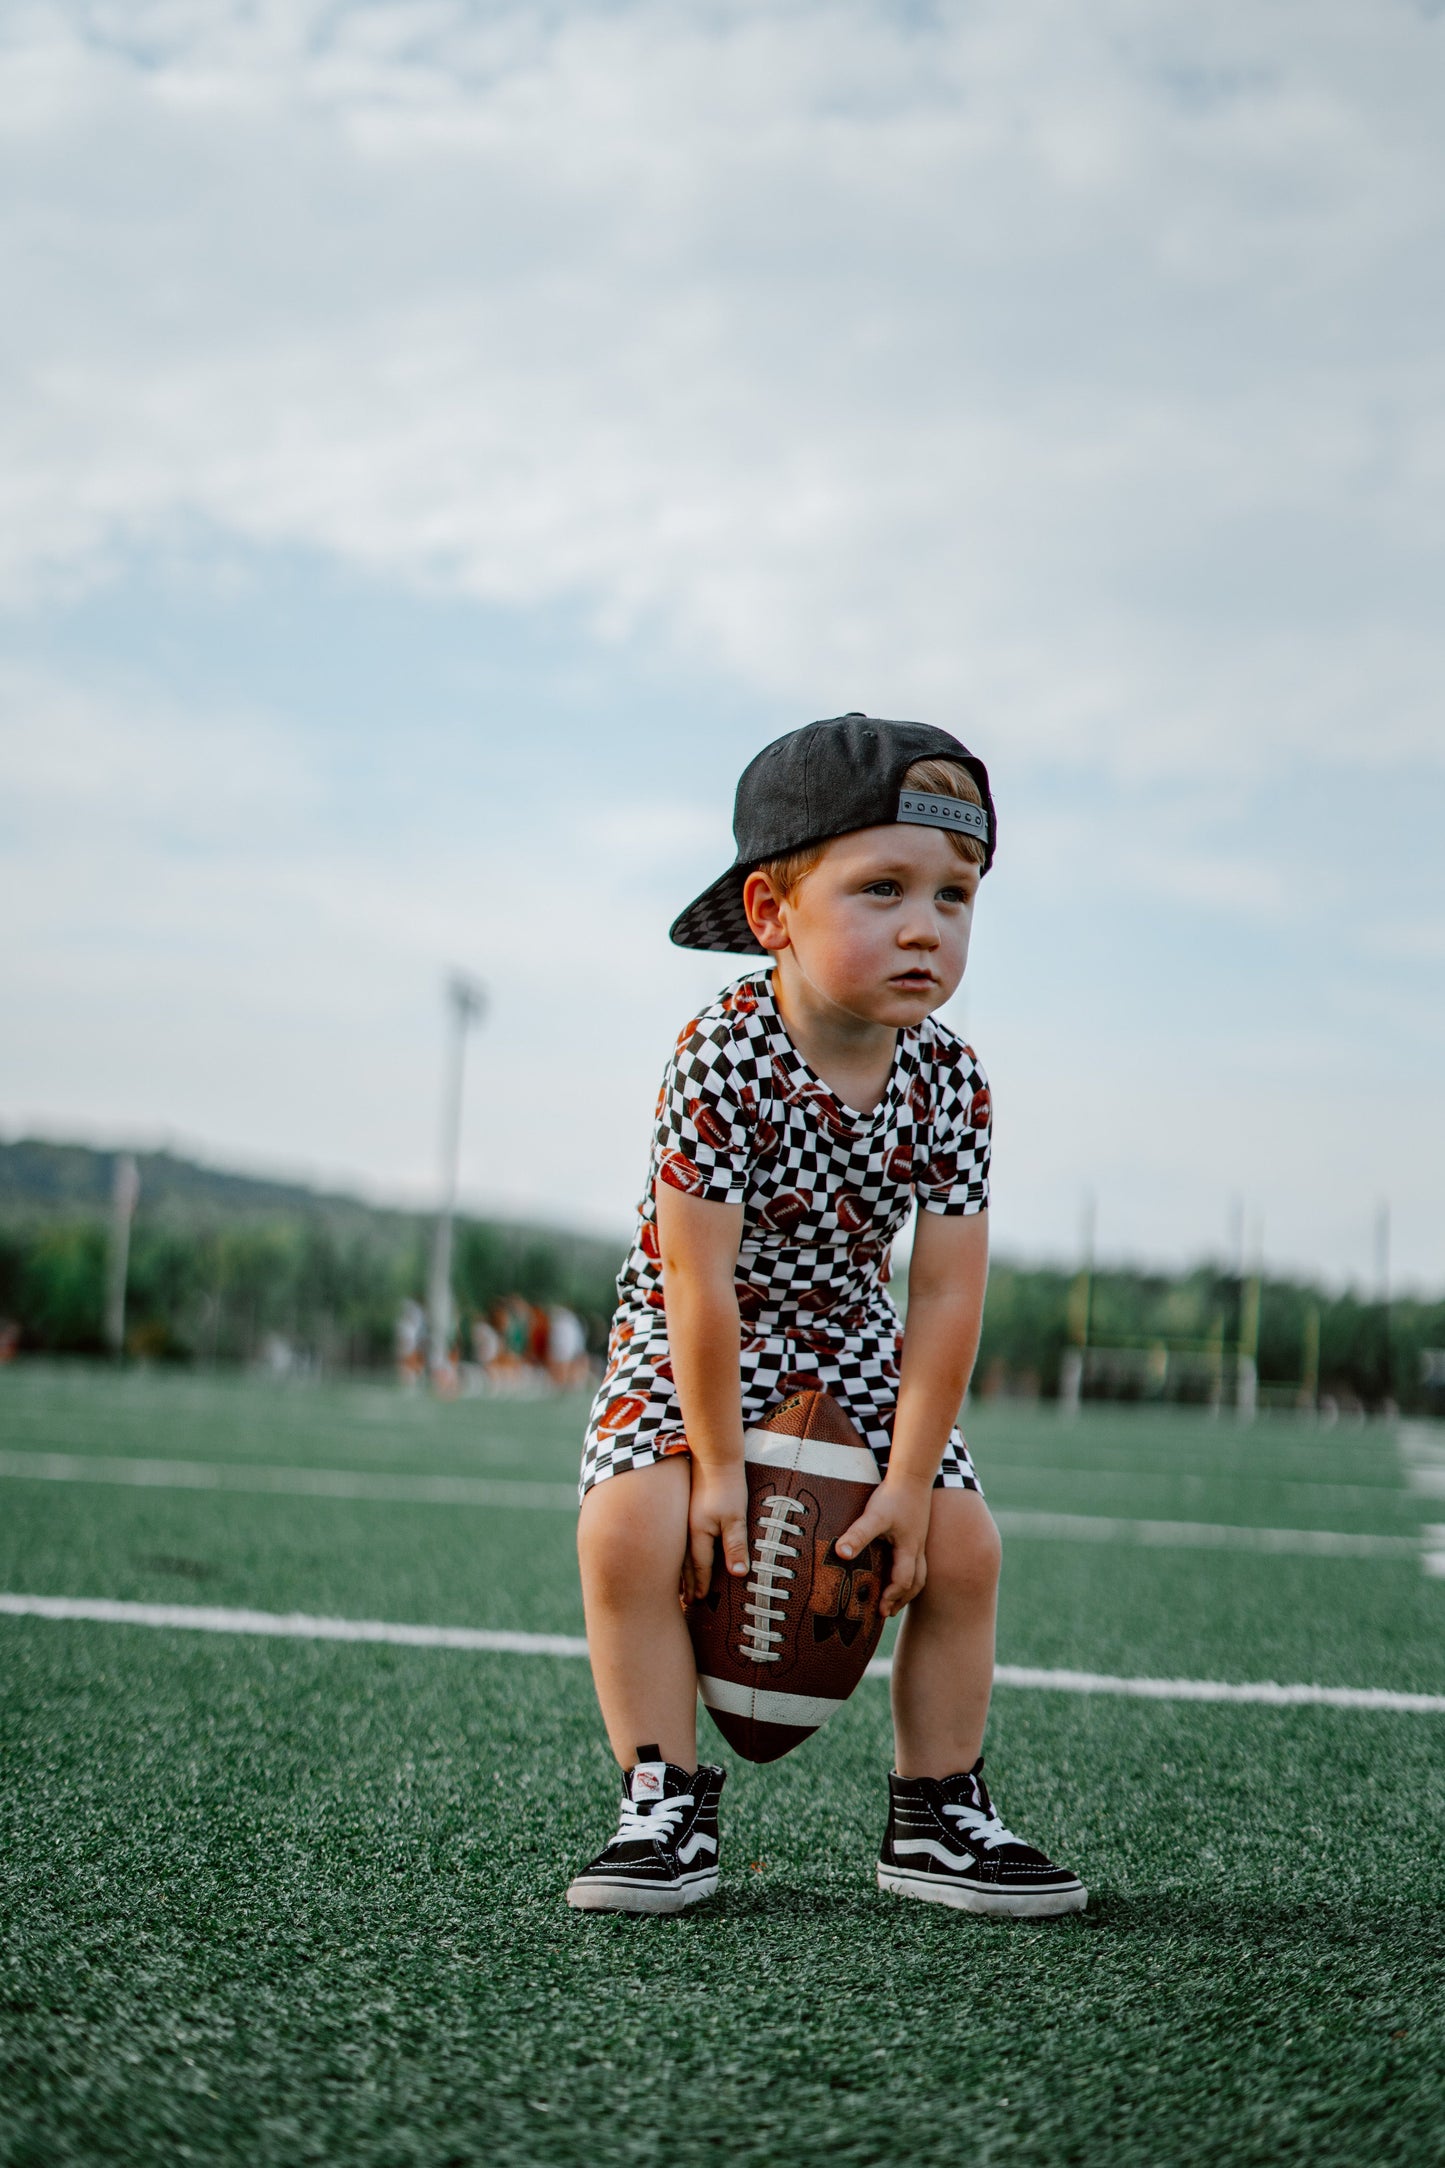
(898, 1511)
(718, 1508)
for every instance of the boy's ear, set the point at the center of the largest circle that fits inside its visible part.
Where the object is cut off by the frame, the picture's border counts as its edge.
(764, 907)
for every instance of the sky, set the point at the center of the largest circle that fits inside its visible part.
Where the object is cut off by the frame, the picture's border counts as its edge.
(440, 443)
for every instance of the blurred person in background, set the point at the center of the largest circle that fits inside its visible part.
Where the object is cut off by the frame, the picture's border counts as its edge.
(566, 1349)
(411, 1343)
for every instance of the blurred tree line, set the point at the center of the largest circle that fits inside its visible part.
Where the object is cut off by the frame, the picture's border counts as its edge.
(221, 1263)
(221, 1294)
(1341, 1346)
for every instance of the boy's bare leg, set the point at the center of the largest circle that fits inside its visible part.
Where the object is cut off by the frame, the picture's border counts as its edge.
(943, 1664)
(631, 1536)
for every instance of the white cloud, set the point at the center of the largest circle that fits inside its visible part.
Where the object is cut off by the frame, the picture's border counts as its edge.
(202, 949)
(207, 951)
(1413, 941)
(1068, 373)
(1071, 369)
(77, 761)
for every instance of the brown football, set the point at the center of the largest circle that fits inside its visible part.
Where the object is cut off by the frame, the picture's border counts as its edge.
(780, 1649)
(680, 1173)
(785, 1211)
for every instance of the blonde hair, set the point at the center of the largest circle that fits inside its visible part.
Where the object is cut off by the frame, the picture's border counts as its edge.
(941, 778)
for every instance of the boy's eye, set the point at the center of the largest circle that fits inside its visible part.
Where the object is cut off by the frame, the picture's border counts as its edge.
(882, 888)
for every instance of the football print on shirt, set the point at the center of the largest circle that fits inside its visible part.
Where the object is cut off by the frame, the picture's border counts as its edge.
(742, 1119)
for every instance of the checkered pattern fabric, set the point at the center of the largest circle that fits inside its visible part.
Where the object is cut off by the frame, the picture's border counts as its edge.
(717, 920)
(742, 1119)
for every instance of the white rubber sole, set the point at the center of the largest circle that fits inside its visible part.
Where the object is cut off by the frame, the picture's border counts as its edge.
(1046, 1904)
(631, 1897)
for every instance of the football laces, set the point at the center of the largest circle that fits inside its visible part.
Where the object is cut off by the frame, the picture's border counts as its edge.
(766, 1596)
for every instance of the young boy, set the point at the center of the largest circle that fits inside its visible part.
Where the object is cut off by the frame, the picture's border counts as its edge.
(804, 1115)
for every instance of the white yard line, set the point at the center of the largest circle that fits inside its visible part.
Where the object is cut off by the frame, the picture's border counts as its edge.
(288, 1625)
(1423, 1453)
(301, 1626)
(499, 1492)
(1347, 1496)
(1422, 1449)
(1263, 1691)
(1202, 1535)
(368, 1484)
(1424, 1458)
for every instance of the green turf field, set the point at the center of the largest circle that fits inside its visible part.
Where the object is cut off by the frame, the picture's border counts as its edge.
(274, 1901)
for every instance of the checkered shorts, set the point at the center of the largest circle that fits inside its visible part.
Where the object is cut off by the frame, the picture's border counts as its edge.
(742, 1119)
(636, 1419)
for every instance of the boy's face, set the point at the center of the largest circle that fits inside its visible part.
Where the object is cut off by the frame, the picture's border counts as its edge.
(880, 927)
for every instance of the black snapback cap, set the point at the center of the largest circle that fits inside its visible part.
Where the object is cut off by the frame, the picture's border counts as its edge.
(825, 780)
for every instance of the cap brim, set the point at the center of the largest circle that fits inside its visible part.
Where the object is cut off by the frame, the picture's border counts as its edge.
(716, 919)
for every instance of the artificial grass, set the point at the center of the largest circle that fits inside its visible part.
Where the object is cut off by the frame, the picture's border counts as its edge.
(1098, 1607)
(431, 1564)
(89, 1408)
(273, 1903)
(278, 1904)
(186, 1415)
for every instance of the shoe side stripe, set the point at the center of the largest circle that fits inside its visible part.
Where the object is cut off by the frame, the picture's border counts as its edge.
(958, 1861)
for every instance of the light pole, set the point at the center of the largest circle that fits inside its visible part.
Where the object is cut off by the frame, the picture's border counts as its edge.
(125, 1190)
(467, 1002)
(1382, 1286)
(1075, 1359)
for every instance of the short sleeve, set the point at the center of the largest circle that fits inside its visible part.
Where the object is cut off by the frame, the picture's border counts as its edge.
(702, 1140)
(954, 1177)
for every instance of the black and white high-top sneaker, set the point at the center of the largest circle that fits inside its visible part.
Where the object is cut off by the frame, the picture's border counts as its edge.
(945, 1843)
(664, 1855)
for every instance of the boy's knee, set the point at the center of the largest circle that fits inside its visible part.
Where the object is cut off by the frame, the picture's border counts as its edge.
(630, 1546)
(611, 1551)
(967, 1563)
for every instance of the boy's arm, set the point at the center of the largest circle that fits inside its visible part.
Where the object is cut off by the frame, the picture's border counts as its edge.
(699, 1244)
(946, 1281)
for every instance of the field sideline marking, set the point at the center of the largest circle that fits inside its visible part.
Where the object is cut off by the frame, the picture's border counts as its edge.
(509, 1494)
(1201, 1535)
(289, 1625)
(300, 1626)
(1424, 1459)
(365, 1483)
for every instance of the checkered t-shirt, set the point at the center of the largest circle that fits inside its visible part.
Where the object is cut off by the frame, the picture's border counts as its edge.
(742, 1119)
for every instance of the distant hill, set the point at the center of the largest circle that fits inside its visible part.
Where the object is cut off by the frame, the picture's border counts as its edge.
(219, 1261)
(222, 1263)
(45, 1181)
(41, 1179)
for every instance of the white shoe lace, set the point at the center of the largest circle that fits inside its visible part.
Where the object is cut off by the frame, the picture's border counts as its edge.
(766, 1600)
(656, 1819)
(985, 1830)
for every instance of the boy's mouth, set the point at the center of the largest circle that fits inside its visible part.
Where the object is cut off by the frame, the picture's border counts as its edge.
(913, 981)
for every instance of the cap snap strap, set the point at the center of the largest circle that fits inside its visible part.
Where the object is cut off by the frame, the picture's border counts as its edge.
(924, 810)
